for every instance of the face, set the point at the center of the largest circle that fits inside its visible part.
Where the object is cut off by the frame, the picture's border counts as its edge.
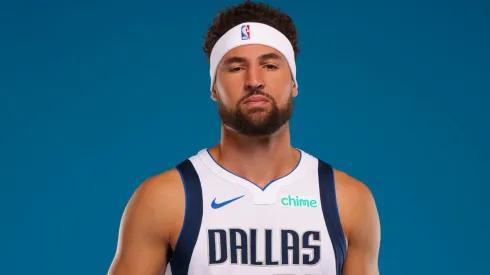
(254, 90)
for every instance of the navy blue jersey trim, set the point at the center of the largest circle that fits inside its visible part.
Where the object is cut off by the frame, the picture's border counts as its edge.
(331, 213)
(181, 255)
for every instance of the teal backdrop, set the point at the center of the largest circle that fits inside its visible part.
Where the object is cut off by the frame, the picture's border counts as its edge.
(97, 96)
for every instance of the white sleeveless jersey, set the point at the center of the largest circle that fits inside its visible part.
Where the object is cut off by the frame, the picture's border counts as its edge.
(234, 227)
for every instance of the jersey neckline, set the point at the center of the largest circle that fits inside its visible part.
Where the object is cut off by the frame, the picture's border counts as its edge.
(271, 188)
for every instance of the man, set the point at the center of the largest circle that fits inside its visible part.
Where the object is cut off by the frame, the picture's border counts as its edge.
(252, 204)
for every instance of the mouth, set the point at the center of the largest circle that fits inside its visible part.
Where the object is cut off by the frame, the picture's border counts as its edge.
(256, 100)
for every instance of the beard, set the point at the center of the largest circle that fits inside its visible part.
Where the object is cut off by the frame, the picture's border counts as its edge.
(256, 121)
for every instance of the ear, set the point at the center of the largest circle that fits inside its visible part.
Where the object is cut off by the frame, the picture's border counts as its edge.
(214, 95)
(294, 90)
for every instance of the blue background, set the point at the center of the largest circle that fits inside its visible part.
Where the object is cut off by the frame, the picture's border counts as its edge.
(96, 96)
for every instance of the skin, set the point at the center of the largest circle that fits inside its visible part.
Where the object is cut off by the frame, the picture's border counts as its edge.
(154, 215)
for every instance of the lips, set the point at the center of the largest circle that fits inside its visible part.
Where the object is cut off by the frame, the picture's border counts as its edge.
(256, 99)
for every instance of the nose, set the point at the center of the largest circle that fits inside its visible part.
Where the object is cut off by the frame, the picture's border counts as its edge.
(254, 79)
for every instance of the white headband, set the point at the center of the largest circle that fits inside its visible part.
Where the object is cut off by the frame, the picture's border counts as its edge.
(252, 33)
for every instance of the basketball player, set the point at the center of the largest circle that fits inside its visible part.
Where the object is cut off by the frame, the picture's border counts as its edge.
(252, 204)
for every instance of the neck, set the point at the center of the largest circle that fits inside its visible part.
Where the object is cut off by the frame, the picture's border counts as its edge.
(257, 159)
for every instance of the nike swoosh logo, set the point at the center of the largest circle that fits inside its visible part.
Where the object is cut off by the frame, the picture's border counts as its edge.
(216, 205)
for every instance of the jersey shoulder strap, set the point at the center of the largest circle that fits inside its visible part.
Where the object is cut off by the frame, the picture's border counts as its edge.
(328, 198)
(181, 256)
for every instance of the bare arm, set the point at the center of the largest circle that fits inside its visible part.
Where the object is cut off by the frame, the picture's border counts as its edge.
(361, 220)
(146, 226)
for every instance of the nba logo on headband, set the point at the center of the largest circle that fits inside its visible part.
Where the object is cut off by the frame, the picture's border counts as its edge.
(245, 32)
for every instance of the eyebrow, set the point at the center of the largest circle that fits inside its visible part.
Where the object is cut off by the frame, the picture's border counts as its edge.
(234, 59)
(239, 59)
(269, 56)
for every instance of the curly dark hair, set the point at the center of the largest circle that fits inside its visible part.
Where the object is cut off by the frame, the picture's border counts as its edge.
(250, 12)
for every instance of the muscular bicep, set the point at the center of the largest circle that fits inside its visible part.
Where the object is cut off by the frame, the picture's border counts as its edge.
(364, 239)
(145, 230)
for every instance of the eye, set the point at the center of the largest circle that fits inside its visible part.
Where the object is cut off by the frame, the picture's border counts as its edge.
(234, 69)
(270, 67)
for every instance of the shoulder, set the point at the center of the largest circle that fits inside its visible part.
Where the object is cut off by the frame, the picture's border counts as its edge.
(157, 204)
(152, 215)
(356, 191)
(355, 201)
(159, 189)
(160, 185)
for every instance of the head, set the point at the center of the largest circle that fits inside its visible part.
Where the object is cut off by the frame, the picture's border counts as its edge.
(253, 83)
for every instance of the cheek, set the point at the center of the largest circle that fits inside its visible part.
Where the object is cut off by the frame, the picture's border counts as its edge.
(227, 94)
(283, 92)
(280, 82)
(231, 85)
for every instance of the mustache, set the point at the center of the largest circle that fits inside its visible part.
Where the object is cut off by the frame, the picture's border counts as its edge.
(256, 91)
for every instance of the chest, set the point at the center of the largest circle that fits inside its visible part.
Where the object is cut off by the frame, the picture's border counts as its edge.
(233, 226)
(279, 229)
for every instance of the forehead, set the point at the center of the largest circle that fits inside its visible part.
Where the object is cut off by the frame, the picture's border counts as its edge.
(252, 52)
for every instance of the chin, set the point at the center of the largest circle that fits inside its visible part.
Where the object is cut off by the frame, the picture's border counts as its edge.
(256, 109)
(258, 119)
